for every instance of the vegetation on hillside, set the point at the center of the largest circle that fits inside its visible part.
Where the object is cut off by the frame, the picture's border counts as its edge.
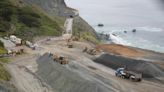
(80, 30)
(4, 75)
(2, 50)
(25, 22)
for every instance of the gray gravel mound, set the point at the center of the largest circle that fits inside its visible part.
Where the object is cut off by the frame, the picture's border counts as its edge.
(6, 87)
(148, 69)
(62, 79)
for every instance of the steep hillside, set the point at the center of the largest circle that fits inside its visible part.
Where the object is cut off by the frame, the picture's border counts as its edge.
(52, 7)
(58, 10)
(83, 30)
(25, 22)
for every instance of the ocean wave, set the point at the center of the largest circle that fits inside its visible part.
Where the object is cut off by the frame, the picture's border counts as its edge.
(118, 40)
(146, 28)
(145, 44)
(136, 42)
(151, 29)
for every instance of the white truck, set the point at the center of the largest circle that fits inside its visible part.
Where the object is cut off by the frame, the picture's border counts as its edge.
(30, 45)
(126, 74)
(16, 40)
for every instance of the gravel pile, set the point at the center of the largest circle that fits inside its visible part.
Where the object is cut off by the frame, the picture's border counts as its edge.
(62, 79)
(148, 69)
(6, 87)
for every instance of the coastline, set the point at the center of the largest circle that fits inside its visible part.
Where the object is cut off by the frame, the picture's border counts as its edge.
(108, 13)
(39, 70)
(130, 53)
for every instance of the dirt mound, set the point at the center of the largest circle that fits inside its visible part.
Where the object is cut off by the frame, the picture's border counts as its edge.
(148, 69)
(120, 50)
(62, 79)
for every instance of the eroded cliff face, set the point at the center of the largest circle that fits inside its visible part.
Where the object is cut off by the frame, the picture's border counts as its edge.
(52, 7)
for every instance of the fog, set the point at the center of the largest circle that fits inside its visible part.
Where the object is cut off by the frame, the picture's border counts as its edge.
(121, 12)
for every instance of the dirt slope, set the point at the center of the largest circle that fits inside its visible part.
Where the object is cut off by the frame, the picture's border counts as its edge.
(121, 50)
(42, 74)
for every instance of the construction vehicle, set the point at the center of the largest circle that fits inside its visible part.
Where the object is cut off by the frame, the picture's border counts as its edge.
(75, 38)
(126, 74)
(61, 59)
(70, 45)
(30, 45)
(91, 51)
(16, 40)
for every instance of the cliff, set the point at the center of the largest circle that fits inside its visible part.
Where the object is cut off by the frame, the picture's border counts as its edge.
(31, 18)
(52, 7)
(58, 8)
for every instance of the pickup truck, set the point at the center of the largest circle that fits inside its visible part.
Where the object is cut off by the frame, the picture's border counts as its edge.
(126, 74)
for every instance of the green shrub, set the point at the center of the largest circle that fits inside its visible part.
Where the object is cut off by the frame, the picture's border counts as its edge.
(6, 10)
(6, 13)
(26, 22)
(29, 20)
(2, 49)
(1, 44)
(29, 17)
(89, 37)
(4, 75)
(4, 26)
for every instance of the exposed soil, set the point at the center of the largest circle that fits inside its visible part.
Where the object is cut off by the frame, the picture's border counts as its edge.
(121, 50)
(39, 73)
(134, 53)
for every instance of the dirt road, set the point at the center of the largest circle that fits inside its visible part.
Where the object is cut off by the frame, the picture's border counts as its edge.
(102, 74)
(23, 70)
(23, 76)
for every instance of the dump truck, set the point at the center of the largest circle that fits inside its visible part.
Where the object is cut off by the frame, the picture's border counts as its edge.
(126, 74)
(61, 59)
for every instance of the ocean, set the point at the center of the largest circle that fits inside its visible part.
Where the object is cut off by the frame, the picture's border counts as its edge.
(146, 16)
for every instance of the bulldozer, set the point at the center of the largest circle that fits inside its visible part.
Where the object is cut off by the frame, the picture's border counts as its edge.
(91, 51)
(70, 45)
(61, 59)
